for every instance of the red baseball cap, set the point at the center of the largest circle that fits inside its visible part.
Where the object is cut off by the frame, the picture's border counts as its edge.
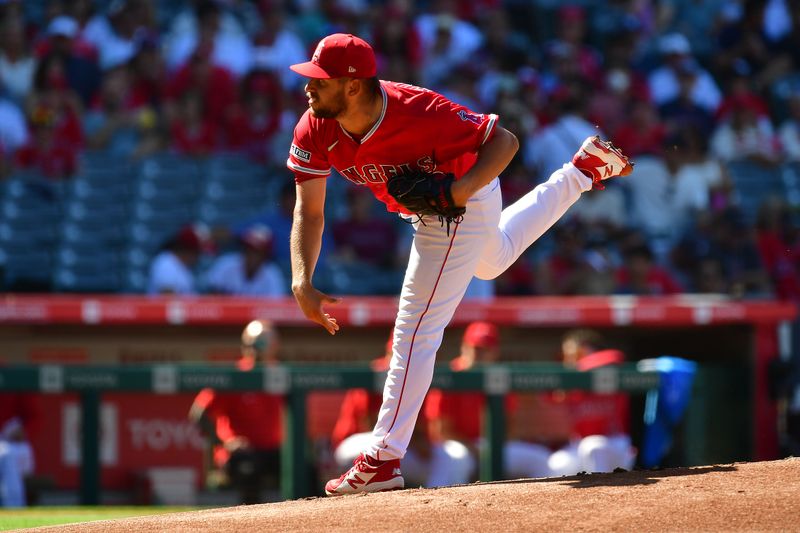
(482, 334)
(340, 55)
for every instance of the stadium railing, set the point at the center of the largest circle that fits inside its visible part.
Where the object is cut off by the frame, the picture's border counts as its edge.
(296, 382)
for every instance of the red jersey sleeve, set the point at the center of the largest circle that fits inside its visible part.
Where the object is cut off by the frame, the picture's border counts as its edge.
(354, 408)
(433, 404)
(207, 400)
(461, 130)
(306, 159)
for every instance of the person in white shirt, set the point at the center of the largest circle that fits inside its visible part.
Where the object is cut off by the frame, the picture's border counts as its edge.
(547, 150)
(249, 271)
(13, 126)
(789, 132)
(17, 64)
(172, 270)
(665, 82)
(209, 20)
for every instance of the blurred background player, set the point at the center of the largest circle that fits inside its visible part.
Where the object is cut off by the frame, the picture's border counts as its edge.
(425, 463)
(246, 429)
(599, 428)
(20, 413)
(458, 416)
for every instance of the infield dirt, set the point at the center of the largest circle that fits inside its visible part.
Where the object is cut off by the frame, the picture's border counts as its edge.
(762, 496)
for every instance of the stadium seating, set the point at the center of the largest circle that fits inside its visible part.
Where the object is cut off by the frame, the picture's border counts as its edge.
(754, 183)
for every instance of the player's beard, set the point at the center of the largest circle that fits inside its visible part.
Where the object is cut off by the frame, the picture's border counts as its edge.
(334, 109)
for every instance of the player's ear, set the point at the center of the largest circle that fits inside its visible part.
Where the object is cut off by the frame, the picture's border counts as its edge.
(354, 86)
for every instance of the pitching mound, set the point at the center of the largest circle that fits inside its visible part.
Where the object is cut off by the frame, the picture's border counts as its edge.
(734, 497)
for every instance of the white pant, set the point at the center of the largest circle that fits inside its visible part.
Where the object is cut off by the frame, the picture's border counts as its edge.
(16, 462)
(440, 267)
(595, 453)
(450, 462)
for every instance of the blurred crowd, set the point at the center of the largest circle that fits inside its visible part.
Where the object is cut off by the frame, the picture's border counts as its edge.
(688, 88)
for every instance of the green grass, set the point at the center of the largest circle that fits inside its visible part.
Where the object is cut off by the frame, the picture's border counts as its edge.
(51, 516)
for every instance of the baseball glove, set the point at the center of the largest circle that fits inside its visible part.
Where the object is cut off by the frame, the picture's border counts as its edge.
(426, 194)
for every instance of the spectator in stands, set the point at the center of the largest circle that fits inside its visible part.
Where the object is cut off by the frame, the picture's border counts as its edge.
(246, 429)
(739, 89)
(53, 97)
(697, 20)
(20, 416)
(280, 222)
(679, 67)
(172, 269)
(546, 152)
(209, 24)
(17, 64)
(79, 59)
(642, 133)
(192, 133)
(251, 127)
(424, 464)
(448, 42)
(395, 37)
(114, 34)
(789, 133)
(668, 193)
(642, 276)
(565, 270)
(45, 153)
(745, 134)
(778, 240)
(148, 72)
(277, 45)
(683, 111)
(119, 124)
(571, 42)
(599, 424)
(693, 259)
(13, 126)
(457, 416)
(744, 37)
(608, 105)
(249, 271)
(734, 244)
(215, 86)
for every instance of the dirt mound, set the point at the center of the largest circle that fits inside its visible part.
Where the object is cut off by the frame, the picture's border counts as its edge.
(733, 497)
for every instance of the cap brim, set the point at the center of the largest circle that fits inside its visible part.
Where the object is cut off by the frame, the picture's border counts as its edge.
(310, 70)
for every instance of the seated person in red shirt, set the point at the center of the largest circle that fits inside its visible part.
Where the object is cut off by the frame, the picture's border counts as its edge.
(47, 152)
(192, 133)
(599, 423)
(641, 275)
(426, 465)
(457, 416)
(246, 428)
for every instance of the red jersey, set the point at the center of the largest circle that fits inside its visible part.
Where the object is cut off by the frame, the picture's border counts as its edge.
(256, 416)
(357, 414)
(464, 409)
(599, 414)
(417, 129)
(25, 408)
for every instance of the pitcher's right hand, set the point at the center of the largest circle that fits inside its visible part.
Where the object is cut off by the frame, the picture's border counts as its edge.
(311, 301)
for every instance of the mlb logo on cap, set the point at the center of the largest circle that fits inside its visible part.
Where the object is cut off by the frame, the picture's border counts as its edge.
(340, 55)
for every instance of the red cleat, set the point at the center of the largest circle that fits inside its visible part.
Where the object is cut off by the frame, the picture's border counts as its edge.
(600, 160)
(367, 475)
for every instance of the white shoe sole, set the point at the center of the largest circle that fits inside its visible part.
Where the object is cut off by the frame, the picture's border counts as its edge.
(391, 484)
(603, 150)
